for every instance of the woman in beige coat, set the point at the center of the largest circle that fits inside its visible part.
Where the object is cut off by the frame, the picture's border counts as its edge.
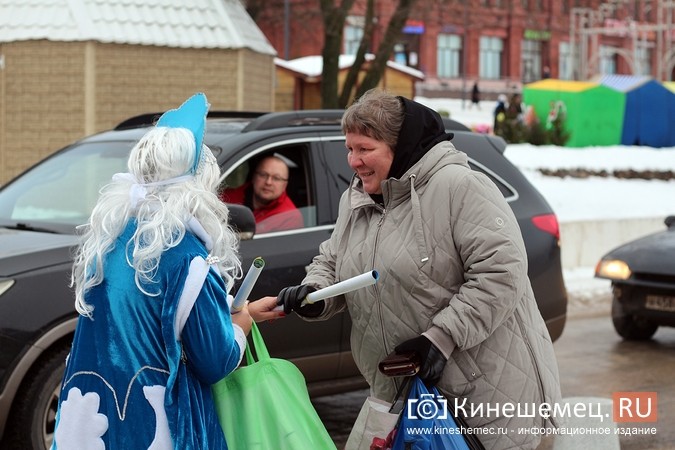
(453, 283)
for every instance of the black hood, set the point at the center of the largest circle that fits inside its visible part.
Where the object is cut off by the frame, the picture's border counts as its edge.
(422, 128)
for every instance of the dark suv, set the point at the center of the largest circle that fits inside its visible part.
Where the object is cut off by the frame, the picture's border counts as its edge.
(40, 209)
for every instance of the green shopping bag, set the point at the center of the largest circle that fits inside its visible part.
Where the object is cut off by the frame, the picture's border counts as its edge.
(265, 405)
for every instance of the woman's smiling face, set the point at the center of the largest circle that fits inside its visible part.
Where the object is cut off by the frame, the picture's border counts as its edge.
(370, 159)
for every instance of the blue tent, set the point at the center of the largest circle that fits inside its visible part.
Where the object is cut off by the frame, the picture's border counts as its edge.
(649, 112)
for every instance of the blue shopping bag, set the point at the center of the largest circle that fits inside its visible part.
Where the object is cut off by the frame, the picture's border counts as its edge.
(427, 422)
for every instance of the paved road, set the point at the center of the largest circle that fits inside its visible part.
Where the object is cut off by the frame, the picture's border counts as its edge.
(594, 362)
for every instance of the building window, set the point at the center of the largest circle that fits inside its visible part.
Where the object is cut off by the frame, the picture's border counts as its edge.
(490, 57)
(406, 51)
(353, 33)
(449, 56)
(607, 60)
(530, 61)
(648, 16)
(565, 64)
(401, 53)
(643, 61)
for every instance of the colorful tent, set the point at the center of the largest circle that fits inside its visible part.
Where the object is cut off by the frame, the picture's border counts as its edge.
(594, 113)
(649, 112)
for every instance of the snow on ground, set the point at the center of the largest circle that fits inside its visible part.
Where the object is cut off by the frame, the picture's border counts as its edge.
(599, 198)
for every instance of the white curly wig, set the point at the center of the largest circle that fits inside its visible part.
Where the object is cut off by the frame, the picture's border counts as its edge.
(163, 195)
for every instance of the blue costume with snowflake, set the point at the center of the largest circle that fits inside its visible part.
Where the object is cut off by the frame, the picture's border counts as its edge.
(139, 356)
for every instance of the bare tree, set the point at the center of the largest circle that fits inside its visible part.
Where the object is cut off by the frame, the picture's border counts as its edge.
(334, 17)
(391, 36)
(360, 57)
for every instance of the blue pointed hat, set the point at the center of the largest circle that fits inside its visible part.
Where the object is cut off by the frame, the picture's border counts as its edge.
(191, 115)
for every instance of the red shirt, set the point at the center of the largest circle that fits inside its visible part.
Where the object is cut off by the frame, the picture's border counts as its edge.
(280, 214)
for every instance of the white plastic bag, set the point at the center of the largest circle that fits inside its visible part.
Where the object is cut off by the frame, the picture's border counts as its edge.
(373, 422)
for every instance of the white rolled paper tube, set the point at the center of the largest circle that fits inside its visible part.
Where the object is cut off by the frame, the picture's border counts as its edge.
(247, 285)
(348, 285)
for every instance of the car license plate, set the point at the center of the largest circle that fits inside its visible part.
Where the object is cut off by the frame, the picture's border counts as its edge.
(660, 303)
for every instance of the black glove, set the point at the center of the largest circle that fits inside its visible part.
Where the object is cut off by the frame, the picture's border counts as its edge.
(291, 297)
(432, 360)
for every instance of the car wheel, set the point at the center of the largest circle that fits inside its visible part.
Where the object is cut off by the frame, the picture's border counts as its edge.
(33, 417)
(630, 326)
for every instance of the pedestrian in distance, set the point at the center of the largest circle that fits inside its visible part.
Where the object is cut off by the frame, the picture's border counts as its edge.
(514, 110)
(453, 285)
(151, 276)
(475, 96)
(546, 73)
(499, 115)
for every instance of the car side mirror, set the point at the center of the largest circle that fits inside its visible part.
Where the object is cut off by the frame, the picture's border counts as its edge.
(670, 221)
(242, 220)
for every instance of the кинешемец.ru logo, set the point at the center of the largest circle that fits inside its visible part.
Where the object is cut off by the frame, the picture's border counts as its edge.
(634, 407)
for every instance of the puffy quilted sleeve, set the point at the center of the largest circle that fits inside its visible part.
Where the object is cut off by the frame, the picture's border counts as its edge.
(493, 257)
(322, 271)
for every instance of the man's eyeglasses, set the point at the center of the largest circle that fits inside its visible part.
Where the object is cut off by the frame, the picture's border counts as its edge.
(265, 176)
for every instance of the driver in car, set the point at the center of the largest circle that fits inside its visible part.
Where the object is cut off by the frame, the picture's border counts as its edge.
(266, 195)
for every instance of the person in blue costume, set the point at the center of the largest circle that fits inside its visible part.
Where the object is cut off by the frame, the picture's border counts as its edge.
(152, 276)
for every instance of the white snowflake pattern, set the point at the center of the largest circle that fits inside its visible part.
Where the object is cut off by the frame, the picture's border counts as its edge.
(80, 424)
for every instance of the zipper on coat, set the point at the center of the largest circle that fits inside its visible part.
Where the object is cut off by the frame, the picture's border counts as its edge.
(379, 224)
(377, 290)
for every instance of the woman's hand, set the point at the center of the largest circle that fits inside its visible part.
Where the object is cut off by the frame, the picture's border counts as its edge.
(291, 299)
(243, 319)
(263, 309)
(433, 361)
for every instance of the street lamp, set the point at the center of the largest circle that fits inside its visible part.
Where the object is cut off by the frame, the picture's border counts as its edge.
(287, 33)
(465, 51)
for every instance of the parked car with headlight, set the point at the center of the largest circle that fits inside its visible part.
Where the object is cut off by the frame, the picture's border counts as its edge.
(40, 209)
(642, 273)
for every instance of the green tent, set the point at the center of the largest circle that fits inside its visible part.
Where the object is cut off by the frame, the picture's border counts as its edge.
(594, 113)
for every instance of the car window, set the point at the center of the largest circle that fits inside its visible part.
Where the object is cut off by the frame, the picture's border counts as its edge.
(507, 191)
(294, 209)
(63, 189)
(333, 163)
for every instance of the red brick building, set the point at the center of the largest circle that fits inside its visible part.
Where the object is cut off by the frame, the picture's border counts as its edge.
(500, 43)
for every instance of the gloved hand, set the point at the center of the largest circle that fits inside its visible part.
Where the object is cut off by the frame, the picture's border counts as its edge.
(432, 360)
(291, 297)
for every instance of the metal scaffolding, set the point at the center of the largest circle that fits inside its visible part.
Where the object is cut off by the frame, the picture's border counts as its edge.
(614, 18)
